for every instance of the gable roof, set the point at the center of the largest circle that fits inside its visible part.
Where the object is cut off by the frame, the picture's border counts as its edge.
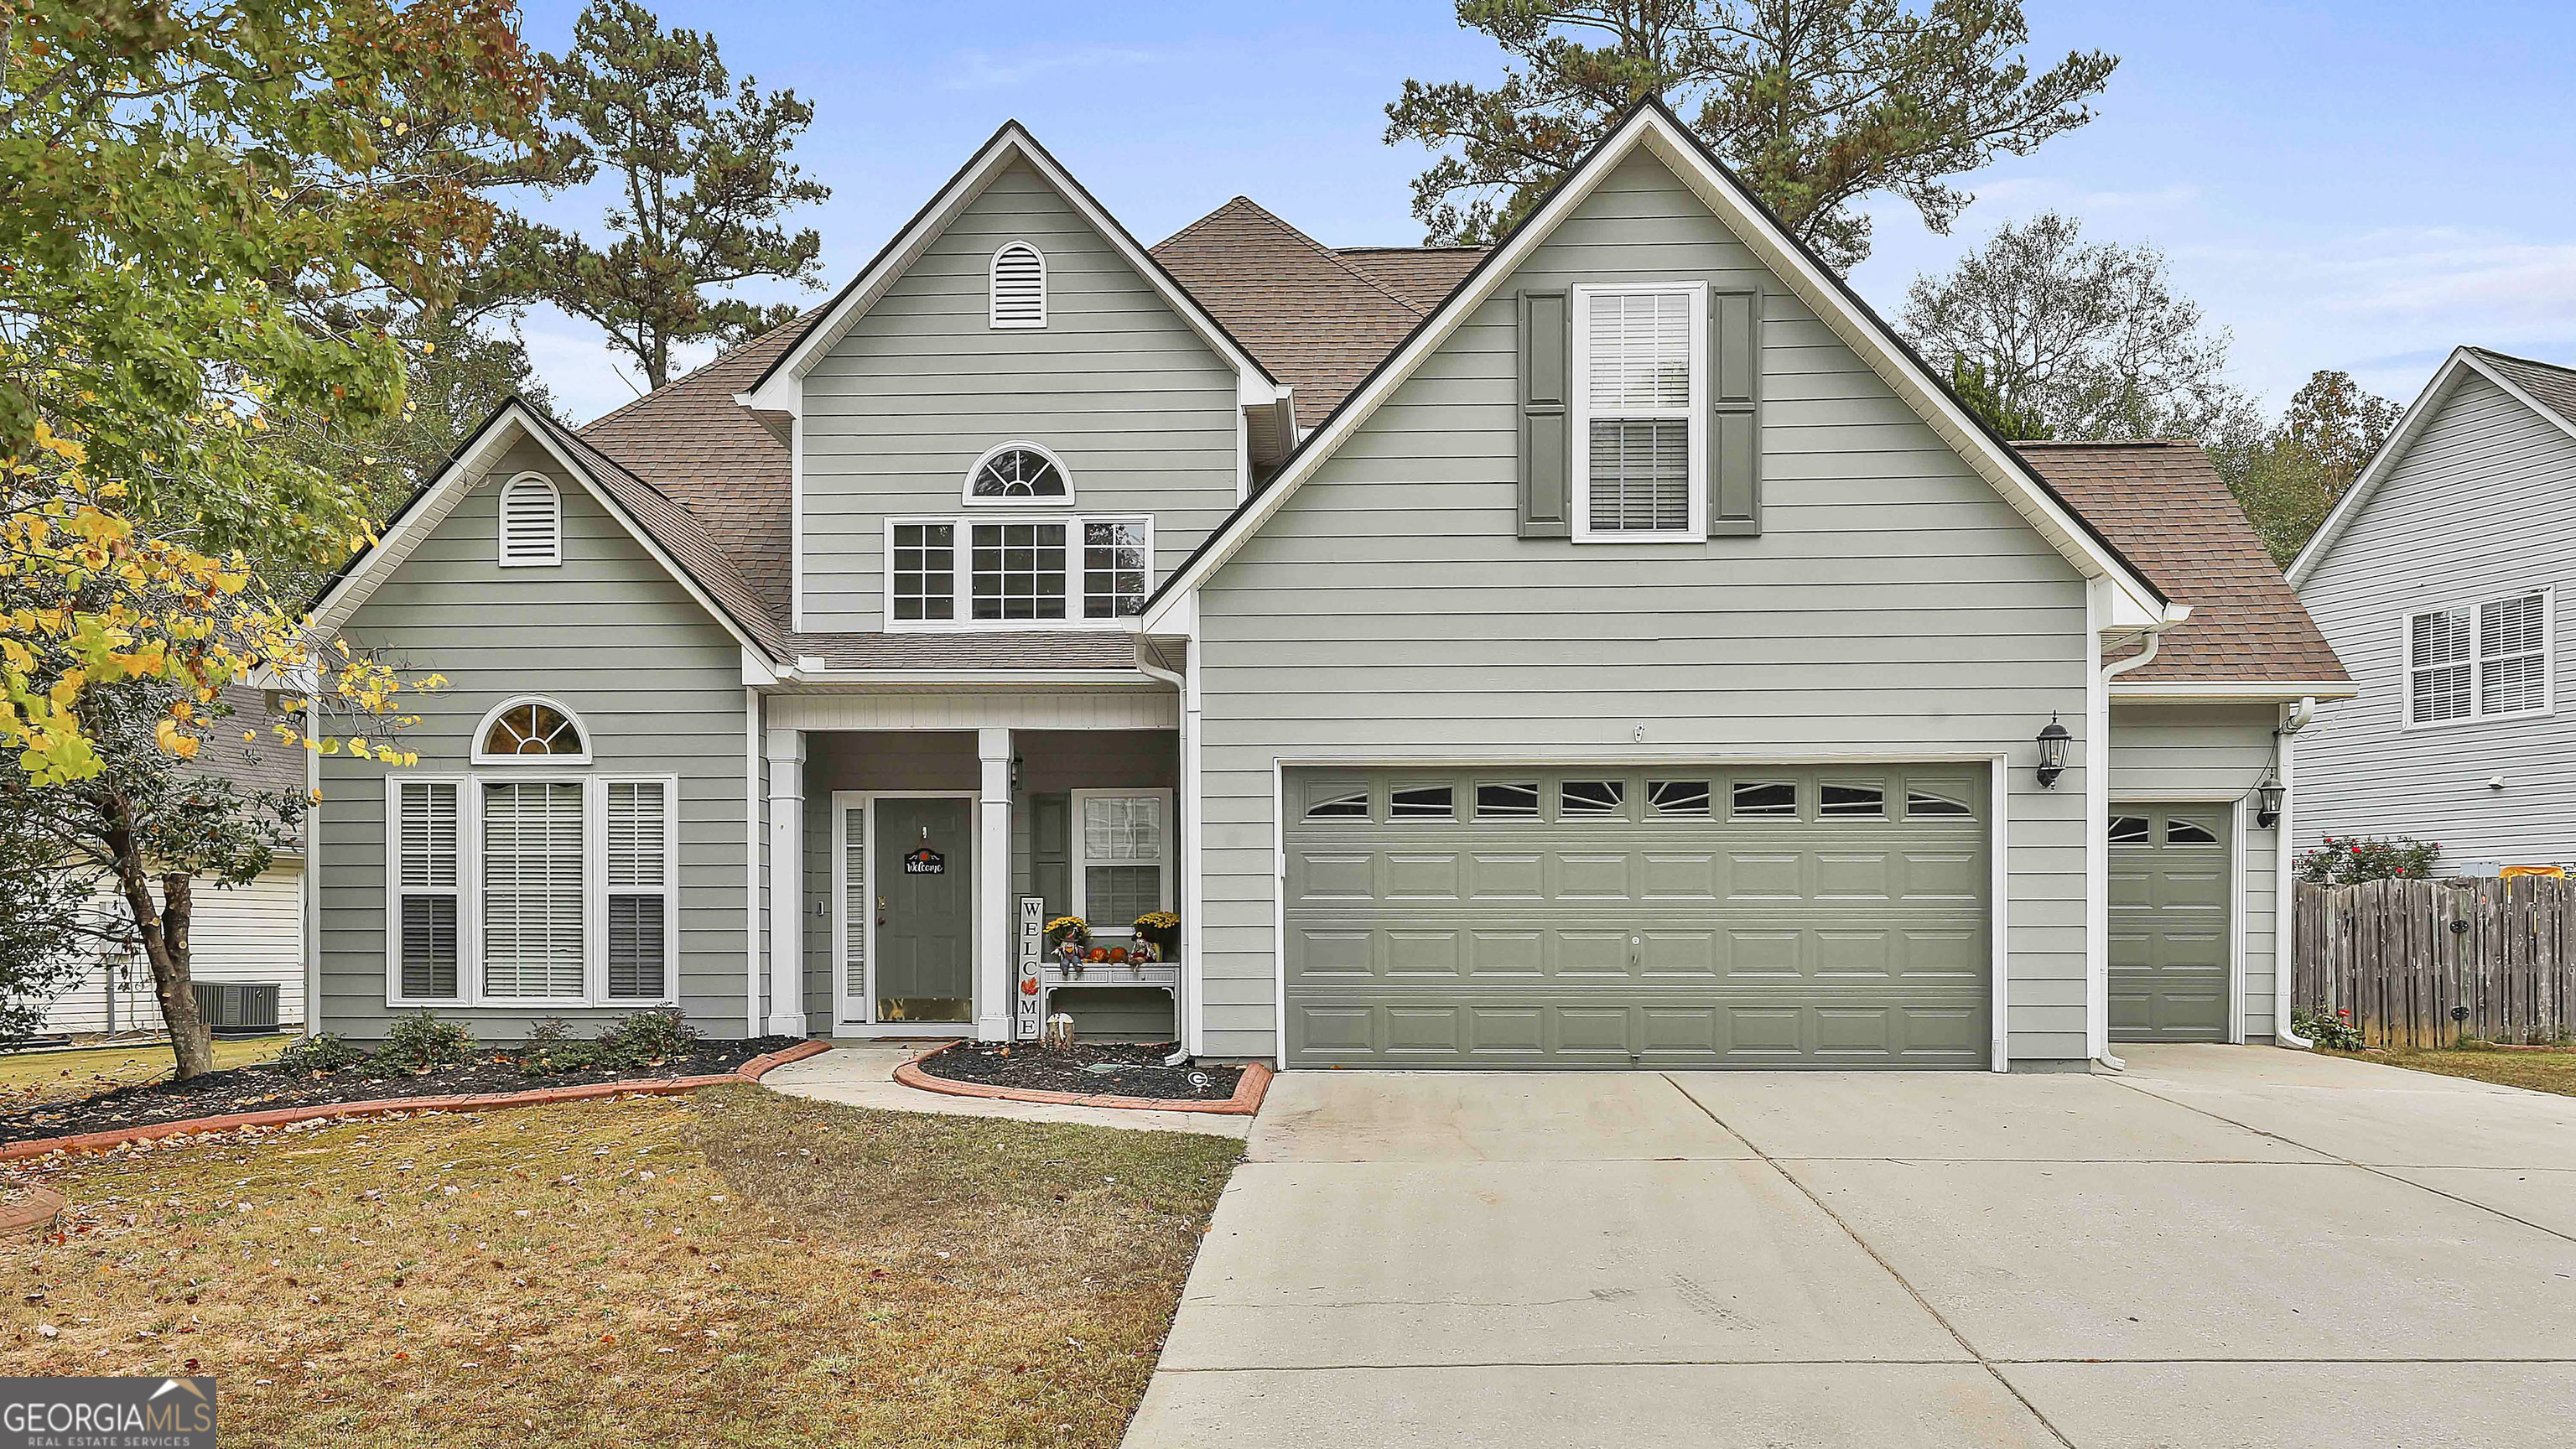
(774, 387)
(2166, 507)
(1317, 318)
(2545, 388)
(1424, 275)
(1650, 125)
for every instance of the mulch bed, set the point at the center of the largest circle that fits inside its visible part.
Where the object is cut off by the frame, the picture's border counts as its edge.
(1124, 1070)
(265, 1088)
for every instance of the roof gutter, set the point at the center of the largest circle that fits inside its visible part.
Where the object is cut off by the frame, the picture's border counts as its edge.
(2097, 787)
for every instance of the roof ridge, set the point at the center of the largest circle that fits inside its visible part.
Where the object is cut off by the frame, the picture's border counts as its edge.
(2517, 357)
(1318, 248)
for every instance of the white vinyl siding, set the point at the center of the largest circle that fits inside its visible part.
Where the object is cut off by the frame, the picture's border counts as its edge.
(1016, 573)
(531, 523)
(533, 936)
(1641, 404)
(1019, 298)
(1122, 856)
(2482, 662)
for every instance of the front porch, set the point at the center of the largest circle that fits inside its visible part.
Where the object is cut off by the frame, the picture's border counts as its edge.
(916, 847)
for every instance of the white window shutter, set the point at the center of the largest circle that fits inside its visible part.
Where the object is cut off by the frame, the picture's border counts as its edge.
(532, 890)
(1019, 295)
(531, 523)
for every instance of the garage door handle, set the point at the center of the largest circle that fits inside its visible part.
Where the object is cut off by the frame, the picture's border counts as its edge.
(1633, 944)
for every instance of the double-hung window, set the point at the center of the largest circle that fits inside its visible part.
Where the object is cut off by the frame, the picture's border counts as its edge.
(638, 899)
(1641, 412)
(1122, 848)
(2486, 661)
(428, 879)
(1006, 572)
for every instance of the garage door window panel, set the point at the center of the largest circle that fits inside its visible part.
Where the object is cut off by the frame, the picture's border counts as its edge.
(1423, 802)
(1677, 799)
(1511, 800)
(1852, 800)
(1764, 800)
(1592, 800)
(1337, 800)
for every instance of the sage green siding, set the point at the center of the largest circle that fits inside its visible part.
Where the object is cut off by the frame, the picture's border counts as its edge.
(2476, 509)
(611, 635)
(1140, 409)
(2214, 753)
(1893, 604)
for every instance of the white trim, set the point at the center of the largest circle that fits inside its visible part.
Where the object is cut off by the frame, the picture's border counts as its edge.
(780, 390)
(2285, 936)
(553, 554)
(2418, 416)
(434, 504)
(848, 1010)
(1046, 709)
(1169, 862)
(2236, 962)
(751, 828)
(835, 682)
(2097, 841)
(1278, 910)
(483, 729)
(2135, 601)
(2477, 661)
(866, 800)
(961, 578)
(795, 523)
(2248, 691)
(1999, 885)
(990, 947)
(993, 288)
(783, 750)
(1693, 415)
(966, 487)
(311, 894)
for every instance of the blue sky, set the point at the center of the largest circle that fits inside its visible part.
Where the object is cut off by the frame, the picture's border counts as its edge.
(2358, 185)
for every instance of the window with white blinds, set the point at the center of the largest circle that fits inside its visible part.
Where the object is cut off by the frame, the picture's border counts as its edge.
(531, 523)
(2486, 662)
(534, 901)
(1641, 394)
(1019, 286)
(427, 889)
(639, 906)
(1122, 856)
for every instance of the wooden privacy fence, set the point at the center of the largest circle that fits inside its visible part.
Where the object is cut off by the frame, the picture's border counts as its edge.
(2403, 956)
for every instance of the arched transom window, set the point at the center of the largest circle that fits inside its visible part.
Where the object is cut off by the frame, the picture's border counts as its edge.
(1018, 473)
(531, 730)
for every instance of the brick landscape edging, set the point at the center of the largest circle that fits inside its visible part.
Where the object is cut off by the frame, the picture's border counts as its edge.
(750, 1071)
(1248, 1090)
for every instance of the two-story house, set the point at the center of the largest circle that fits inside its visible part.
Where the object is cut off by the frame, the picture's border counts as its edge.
(2436, 576)
(1611, 648)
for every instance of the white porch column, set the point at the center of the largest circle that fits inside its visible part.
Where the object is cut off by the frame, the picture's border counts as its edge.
(992, 933)
(787, 882)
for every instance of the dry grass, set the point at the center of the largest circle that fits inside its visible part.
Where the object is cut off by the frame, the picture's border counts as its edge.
(29, 1079)
(739, 1268)
(2550, 1071)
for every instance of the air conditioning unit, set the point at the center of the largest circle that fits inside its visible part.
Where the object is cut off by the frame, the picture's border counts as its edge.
(238, 1008)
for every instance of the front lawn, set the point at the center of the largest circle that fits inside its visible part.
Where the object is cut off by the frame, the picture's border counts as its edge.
(29, 1078)
(736, 1267)
(2553, 1071)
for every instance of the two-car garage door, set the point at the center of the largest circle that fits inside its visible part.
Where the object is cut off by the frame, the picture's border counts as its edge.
(1813, 916)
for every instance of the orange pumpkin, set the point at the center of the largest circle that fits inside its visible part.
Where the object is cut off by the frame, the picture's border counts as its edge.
(1118, 955)
(1097, 954)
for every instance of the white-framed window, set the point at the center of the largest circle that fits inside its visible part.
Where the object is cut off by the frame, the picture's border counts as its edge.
(521, 888)
(1017, 474)
(1122, 857)
(2482, 661)
(1641, 412)
(527, 730)
(1019, 286)
(1022, 573)
(531, 522)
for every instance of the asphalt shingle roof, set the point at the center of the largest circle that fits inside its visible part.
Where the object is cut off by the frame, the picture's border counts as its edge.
(2163, 505)
(2554, 387)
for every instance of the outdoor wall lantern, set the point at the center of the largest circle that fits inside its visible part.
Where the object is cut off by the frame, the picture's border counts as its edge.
(2053, 739)
(2267, 800)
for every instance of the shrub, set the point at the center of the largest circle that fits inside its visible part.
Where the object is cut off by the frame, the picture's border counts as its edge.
(646, 1037)
(552, 1047)
(2350, 860)
(421, 1042)
(2331, 1030)
(324, 1053)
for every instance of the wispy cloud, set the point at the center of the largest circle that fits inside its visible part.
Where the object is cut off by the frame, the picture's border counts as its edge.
(985, 70)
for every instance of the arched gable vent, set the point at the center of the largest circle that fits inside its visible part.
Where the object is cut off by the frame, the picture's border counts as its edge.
(1019, 286)
(531, 523)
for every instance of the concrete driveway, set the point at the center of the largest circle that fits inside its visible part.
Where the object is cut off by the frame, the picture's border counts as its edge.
(2225, 1246)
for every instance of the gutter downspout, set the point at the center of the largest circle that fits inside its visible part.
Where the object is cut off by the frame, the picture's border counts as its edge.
(2097, 778)
(1183, 1003)
(2285, 903)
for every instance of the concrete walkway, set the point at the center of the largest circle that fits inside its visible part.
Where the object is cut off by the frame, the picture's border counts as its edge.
(2225, 1246)
(861, 1074)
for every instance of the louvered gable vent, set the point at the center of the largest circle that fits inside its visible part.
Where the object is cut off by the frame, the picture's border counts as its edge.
(531, 523)
(1019, 286)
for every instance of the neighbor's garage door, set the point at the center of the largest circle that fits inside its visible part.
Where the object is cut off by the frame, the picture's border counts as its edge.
(1778, 917)
(2170, 936)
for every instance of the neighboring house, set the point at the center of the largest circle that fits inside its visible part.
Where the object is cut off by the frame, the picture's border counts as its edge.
(1611, 649)
(252, 933)
(2437, 579)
